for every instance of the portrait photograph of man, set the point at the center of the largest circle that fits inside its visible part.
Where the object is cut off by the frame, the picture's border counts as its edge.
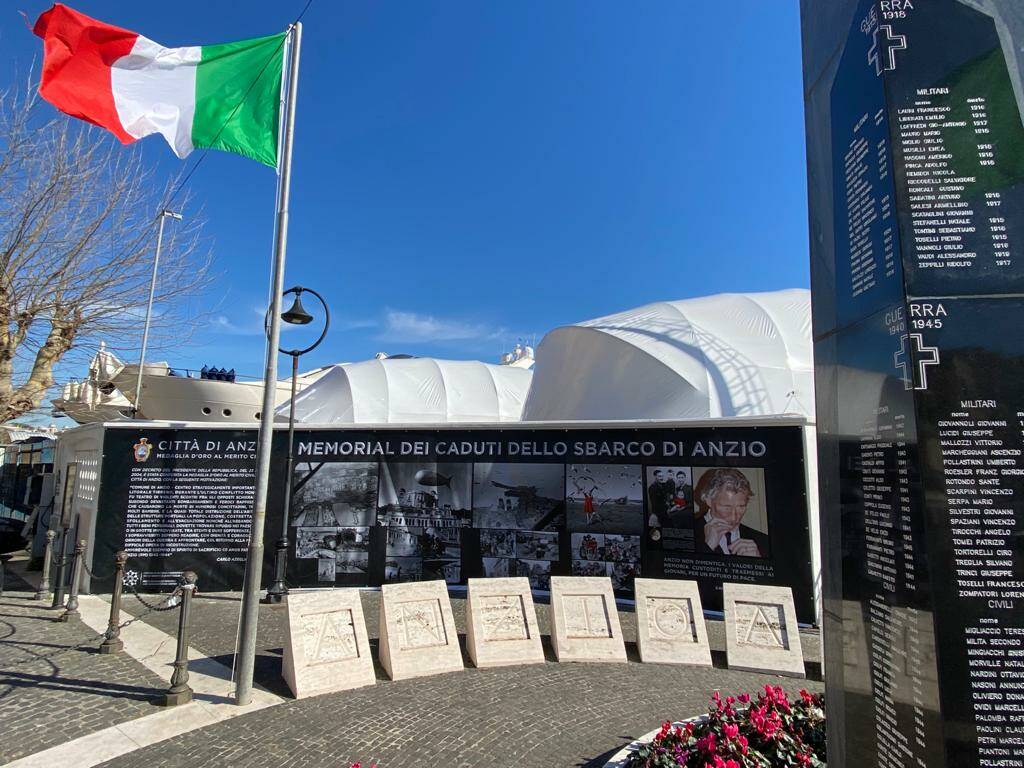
(730, 517)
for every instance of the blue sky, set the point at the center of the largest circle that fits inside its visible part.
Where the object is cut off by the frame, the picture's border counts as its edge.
(469, 172)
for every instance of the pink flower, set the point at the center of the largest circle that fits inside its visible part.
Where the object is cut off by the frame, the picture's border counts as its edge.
(744, 698)
(731, 731)
(708, 744)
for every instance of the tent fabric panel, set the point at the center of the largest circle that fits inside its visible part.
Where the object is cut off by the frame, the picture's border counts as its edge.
(586, 374)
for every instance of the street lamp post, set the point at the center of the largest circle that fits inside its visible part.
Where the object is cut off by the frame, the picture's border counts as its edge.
(297, 315)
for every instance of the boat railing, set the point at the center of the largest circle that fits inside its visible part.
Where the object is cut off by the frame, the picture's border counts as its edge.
(210, 374)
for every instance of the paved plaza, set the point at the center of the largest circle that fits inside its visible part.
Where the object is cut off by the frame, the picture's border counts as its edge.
(542, 715)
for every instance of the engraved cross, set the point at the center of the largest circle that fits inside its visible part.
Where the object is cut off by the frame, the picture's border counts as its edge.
(883, 51)
(924, 356)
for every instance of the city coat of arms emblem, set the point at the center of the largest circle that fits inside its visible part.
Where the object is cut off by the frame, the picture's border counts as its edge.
(142, 449)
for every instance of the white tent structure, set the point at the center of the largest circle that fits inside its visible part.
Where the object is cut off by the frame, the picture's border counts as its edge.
(733, 354)
(419, 390)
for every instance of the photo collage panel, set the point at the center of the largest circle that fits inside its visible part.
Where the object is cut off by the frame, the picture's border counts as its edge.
(528, 519)
(712, 511)
(333, 507)
(424, 508)
(605, 510)
(519, 511)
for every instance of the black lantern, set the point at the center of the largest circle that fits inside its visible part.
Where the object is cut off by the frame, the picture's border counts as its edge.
(297, 315)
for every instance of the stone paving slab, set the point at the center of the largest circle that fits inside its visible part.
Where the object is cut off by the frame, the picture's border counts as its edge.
(546, 715)
(45, 702)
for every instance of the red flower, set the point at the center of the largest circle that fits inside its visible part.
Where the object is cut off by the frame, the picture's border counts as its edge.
(744, 698)
(731, 731)
(708, 744)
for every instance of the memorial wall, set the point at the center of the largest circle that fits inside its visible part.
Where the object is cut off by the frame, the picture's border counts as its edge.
(916, 183)
(371, 507)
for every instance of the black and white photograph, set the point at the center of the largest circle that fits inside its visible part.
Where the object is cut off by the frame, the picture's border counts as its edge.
(730, 519)
(537, 571)
(605, 498)
(325, 569)
(403, 569)
(669, 497)
(425, 494)
(403, 541)
(536, 545)
(335, 494)
(587, 546)
(352, 561)
(346, 550)
(526, 497)
(589, 568)
(497, 543)
(623, 574)
(619, 547)
(497, 567)
(447, 570)
(321, 542)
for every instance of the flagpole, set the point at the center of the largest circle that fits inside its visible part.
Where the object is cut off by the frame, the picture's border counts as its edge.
(149, 307)
(254, 563)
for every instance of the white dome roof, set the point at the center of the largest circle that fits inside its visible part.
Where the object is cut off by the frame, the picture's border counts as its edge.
(413, 391)
(733, 354)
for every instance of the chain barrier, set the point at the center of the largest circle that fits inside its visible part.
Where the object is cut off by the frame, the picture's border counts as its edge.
(134, 590)
(157, 607)
(168, 603)
(96, 576)
(104, 635)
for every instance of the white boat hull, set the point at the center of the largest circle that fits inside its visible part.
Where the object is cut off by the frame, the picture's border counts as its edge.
(178, 398)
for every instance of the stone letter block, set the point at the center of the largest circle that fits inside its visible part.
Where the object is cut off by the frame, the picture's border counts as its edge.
(501, 624)
(327, 648)
(417, 630)
(761, 633)
(670, 623)
(584, 620)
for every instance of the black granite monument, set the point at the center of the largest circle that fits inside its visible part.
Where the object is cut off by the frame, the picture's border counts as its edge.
(916, 184)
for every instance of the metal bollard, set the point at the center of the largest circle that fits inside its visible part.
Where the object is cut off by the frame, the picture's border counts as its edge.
(113, 642)
(180, 692)
(44, 581)
(62, 560)
(71, 610)
(278, 591)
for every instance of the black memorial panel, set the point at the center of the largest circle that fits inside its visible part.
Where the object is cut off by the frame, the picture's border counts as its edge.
(371, 506)
(921, 380)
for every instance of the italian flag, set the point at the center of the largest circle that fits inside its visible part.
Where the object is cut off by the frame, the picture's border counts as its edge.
(211, 96)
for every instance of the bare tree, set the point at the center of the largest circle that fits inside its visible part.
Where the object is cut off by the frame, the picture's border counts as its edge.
(78, 217)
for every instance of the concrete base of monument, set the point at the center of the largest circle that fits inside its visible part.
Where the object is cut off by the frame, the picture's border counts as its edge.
(620, 758)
